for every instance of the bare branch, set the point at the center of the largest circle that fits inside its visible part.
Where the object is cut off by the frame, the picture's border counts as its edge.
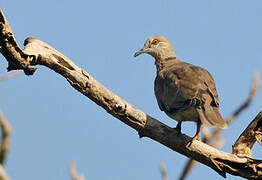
(214, 138)
(10, 75)
(6, 131)
(188, 167)
(9, 48)
(162, 168)
(246, 103)
(39, 53)
(246, 140)
(3, 174)
(73, 172)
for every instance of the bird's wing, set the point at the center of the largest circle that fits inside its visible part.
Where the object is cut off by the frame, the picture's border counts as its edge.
(208, 109)
(176, 87)
(208, 86)
(184, 85)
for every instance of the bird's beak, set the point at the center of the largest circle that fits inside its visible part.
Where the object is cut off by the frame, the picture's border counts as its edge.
(141, 51)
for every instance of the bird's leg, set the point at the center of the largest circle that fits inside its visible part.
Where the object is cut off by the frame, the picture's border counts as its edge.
(178, 127)
(197, 135)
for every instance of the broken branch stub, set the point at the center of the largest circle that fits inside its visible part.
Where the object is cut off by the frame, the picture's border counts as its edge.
(246, 140)
(9, 48)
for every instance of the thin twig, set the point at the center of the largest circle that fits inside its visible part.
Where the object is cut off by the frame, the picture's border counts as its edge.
(6, 131)
(214, 138)
(10, 75)
(246, 103)
(73, 172)
(163, 172)
(3, 174)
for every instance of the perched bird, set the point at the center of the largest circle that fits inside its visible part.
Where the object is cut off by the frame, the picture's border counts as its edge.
(183, 91)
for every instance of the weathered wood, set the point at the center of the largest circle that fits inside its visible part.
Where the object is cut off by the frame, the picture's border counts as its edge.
(247, 139)
(40, 53)
(9, 48)
(3, 174)
(6, 132)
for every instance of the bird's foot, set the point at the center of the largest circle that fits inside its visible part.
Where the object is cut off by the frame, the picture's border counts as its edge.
(178, 128)
(197, 137)
(141, 134)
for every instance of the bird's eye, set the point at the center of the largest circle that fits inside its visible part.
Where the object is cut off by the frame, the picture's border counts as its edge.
(155, 41)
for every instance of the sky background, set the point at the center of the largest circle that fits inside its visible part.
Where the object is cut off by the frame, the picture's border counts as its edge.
(53, 123)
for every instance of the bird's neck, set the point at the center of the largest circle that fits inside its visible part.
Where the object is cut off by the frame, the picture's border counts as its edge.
(163, 63)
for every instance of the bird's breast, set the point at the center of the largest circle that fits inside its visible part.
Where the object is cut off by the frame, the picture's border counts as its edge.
(167, 91)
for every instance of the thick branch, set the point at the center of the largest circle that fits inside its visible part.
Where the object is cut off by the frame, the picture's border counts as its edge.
(3, 174)
(10, 49)
(222, 162)
(246, 140)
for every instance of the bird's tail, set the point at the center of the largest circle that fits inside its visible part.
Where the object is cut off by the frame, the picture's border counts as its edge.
(210, 116)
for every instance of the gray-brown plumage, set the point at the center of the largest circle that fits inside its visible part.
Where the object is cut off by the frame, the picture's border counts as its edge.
(183, 91)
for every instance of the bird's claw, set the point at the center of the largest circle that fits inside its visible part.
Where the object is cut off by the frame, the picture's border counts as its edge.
(178, 128)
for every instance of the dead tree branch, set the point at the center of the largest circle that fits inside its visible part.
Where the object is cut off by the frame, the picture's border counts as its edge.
(6, 131)
(73, 172)
(37, 52)
(10, 75)
(3, 174)
(247, 139)
(163, 172)
(214, 138)
(5, 146)
(247, 102)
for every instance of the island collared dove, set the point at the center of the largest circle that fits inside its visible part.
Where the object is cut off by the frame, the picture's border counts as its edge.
(183, 91)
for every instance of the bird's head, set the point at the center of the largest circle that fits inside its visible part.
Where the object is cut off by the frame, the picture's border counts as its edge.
(159, 47)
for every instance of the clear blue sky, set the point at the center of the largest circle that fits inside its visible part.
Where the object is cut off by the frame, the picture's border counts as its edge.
(53, 123)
